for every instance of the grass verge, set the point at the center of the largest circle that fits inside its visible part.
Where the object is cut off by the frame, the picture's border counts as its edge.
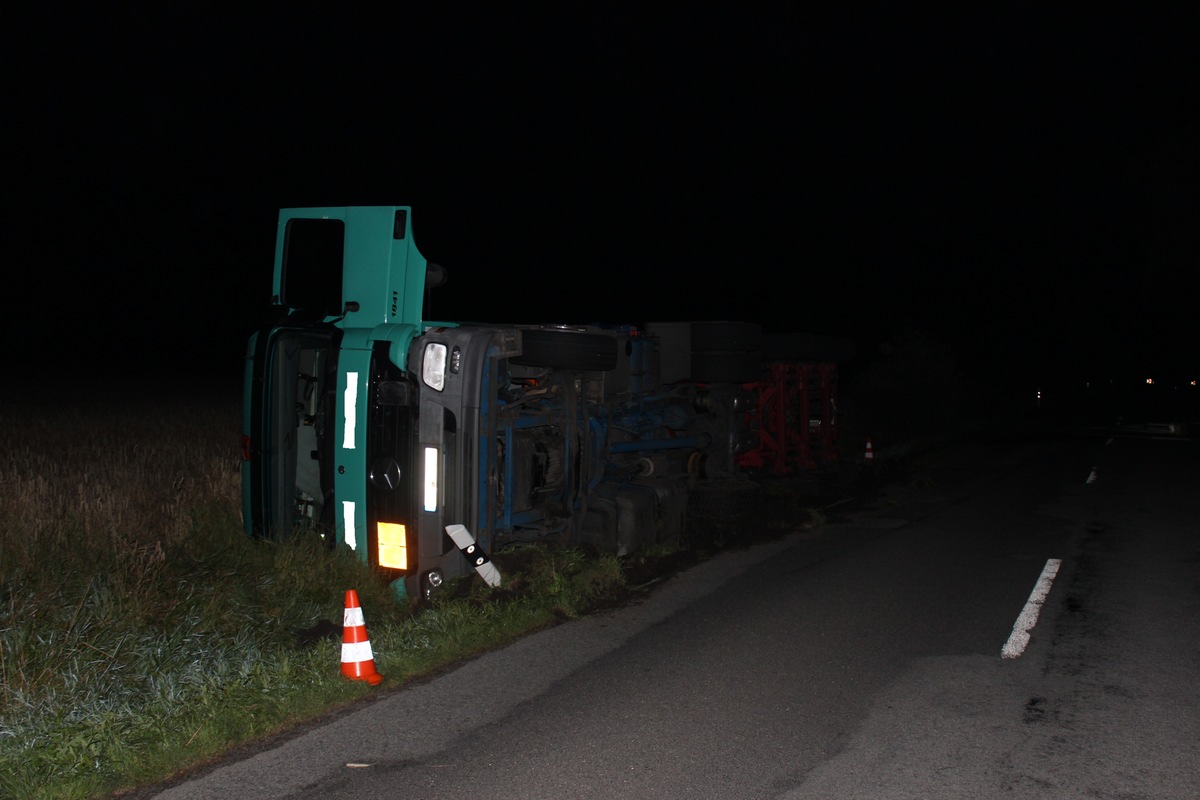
(104, 689)
(143, 634)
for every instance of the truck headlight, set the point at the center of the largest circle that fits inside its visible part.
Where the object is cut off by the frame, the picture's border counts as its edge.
(433, 366)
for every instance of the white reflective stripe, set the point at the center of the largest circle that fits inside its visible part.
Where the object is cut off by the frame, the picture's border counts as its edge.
(348, 523)
(353, 652)
(350, 410)
(353, 618)
(431, 478)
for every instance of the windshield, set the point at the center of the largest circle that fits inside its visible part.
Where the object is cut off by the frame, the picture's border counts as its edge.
(298, 453)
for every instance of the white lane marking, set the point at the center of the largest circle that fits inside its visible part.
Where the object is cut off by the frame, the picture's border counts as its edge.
(1092, 476)
(1028, 617)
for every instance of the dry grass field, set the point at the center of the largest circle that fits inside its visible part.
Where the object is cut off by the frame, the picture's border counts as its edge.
(117, 472)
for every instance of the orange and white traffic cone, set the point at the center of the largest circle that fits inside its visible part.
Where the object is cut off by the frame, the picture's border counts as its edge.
(358, 662)
(869, 456)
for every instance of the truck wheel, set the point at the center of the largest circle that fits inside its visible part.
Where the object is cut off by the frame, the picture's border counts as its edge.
(567, 350)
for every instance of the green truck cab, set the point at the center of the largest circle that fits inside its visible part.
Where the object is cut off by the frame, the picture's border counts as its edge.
(348, 289)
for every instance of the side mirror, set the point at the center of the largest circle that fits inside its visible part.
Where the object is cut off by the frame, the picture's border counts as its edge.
(435, 275)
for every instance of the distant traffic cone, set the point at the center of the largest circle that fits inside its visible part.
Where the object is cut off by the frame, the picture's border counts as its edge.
(358, 662)
(870, 454)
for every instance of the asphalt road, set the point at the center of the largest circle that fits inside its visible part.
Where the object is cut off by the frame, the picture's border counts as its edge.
(859, 659)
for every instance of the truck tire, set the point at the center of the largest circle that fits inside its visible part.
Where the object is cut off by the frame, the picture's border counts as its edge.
(567, 350)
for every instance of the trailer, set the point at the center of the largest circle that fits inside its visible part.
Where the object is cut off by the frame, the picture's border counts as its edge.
(428, 446)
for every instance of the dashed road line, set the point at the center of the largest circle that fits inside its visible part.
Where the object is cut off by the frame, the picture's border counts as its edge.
(1028, 617)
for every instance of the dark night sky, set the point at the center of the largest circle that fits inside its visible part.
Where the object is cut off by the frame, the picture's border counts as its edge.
(1020, 184)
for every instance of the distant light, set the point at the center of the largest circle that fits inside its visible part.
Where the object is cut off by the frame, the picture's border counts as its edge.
(1149, 381)
(1193, 383)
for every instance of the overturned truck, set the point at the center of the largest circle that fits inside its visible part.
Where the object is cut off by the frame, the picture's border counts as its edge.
(427, 446)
